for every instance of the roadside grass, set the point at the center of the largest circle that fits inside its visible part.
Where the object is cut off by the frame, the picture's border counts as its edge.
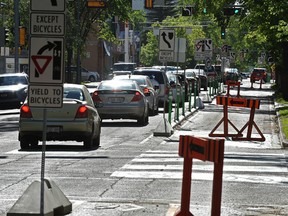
(283, 112)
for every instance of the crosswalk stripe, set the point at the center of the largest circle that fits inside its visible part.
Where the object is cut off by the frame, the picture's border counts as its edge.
(168, 165)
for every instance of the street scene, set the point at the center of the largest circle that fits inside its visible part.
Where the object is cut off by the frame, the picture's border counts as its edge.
(133, 172)
(142, 107)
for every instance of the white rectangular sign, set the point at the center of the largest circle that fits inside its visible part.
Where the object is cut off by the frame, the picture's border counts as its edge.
(46, 62)
(203, 49)
(167, 39)
(50, 96)
(47, 5)
(48, 24)
(166, 56)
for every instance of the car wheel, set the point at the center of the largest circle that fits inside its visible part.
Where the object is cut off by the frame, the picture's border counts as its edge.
(92, 79)
(144, 120)
(96, 141)
(24, 143)
(156, 110)
(88, 142)
(34, 143)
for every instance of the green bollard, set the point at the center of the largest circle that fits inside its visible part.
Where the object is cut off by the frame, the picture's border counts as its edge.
(177, 103)
(190, 96)
(170, 106)
(195, 93)
(209, 83)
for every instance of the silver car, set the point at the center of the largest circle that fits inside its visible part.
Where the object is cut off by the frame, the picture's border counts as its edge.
(121, 99)
(149, 90)
(77, 120)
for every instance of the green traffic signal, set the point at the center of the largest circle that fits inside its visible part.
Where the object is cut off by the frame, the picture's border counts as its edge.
(223, 33)
(230, 11)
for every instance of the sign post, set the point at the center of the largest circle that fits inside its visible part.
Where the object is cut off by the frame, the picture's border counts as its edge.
(46, 64)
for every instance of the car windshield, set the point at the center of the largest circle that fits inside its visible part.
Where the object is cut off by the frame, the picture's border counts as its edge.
(190, 74)
(116, 85)
(156, 75)
(13, 80)
(140, 81)
(73, 93)
(123, 67)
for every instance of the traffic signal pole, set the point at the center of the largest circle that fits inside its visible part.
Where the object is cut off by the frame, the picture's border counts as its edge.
(16, 31)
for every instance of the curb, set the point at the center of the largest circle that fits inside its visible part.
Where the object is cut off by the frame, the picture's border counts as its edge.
(283, 140)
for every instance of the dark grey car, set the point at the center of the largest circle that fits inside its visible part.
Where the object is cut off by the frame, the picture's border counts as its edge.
(13, 89)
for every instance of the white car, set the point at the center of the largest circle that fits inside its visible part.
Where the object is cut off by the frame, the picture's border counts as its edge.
(86, 75)
(77, 120)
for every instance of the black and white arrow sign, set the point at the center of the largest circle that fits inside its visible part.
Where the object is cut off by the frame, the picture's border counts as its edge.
(166, 40)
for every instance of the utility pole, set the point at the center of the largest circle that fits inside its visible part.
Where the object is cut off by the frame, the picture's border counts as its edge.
(16, 30)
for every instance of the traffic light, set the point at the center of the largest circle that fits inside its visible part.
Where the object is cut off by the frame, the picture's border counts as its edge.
(7, 32)
(148, 4)
(22, 35)
(230, 11)
(223, 32)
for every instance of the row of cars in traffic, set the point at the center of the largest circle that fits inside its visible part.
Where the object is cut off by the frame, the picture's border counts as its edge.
(135, 95)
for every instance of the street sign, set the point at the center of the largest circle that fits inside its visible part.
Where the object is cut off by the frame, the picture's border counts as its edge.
(46, 60)
(45, 96)
(203, 49)
(166, 39)
(48, 24)
(47, 5)
(166, 56)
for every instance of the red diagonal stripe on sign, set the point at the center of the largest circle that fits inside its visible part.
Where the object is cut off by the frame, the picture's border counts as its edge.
(35, 59)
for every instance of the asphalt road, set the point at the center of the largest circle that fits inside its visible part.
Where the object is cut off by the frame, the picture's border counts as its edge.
(136, 173)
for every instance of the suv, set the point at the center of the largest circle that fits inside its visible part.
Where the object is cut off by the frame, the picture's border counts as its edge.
(124, 67)
(160, 81)
(258, 74)
(209, 71)
(86, 75)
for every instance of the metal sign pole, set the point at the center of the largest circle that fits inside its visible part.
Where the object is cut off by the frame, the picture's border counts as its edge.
(43, 161)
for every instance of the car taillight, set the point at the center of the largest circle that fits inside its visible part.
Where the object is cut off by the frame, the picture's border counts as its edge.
(82, 112)
(146, 90)
(25, 112)
(96, 97)
(137, 97)
(167, 90)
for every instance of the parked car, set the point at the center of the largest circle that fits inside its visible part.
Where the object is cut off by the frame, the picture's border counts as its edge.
(91, 86)
(209, 71)
(13, 89)
(202, 76)
(123, 67)
(192, 77)
(176, 88)
(121, 99)
(86, 75)
(231, 74)
(147, 87)
(258, 74)
(76, 120)
(183, 81)
(161, 80)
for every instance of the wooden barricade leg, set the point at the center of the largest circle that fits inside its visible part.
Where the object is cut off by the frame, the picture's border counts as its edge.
(225, 121)
(250, 125)
(186, 189)
(217, 178)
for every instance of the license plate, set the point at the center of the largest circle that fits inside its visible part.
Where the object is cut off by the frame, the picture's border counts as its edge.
(54, 129)
(116, 99)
